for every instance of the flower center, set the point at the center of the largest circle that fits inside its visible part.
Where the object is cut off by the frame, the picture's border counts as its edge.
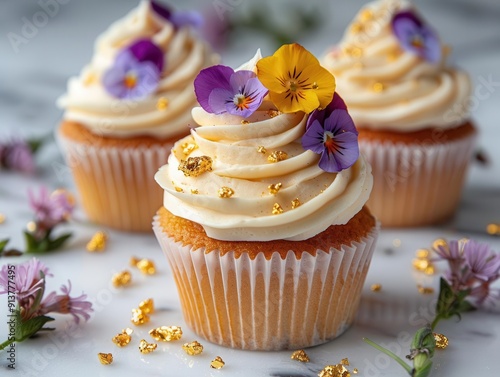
(417, 41)
(292, 85)
(241, 101)
(329, 142)
(130, 80)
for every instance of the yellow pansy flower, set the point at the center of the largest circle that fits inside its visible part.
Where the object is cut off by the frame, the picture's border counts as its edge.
(295, 79)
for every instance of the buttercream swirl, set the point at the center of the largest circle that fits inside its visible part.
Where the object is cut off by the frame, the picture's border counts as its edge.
(88, 103)
(386, 87)
(233, 145)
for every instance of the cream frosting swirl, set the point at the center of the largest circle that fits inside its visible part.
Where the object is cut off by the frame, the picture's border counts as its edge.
(386, 87)
(164, 113)
(239, 164)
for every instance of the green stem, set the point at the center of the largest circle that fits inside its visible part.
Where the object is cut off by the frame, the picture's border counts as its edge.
(391, 355)
(6, 344)
(435, 322)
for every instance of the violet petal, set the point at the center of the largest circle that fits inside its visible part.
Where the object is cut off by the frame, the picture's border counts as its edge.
(208, 79)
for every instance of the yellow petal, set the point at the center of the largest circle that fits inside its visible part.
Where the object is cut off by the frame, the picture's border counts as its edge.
(307, 104)
(323, 82)
(269, 74)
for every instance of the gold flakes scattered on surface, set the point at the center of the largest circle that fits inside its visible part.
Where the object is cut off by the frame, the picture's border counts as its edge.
(300, 355)
(194, 191)
(295, 203)
(166, 333)
(376, 287)
(147, 306)
(193, 348)
(353, 51)
(355, 371)
(493, 229)
(420, 264)
(31, 226)
(441, 340)
(97, 242)
(121, 279)
(139, 317)
(425, 290)
(274, 188)
(2, 218)
(422, 253)
(105, 358)
(337, 370)
(344, 361)
(423, 262)
(178, 189)
(225, 192)
(146, 347)
(357, 28)
(277, 209)
(162, 104)
(217, 363)
(133, 261)
(396, 242)
(378, 87)
(146, 266)
(195, 166)
(277, 156)
(123, 338)
(245, 122)
(187, 148)
(273, 113)
(261, 149)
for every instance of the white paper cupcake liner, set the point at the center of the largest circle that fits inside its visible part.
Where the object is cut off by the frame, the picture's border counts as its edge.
(270, 304)
(116, 185)
(416, 185)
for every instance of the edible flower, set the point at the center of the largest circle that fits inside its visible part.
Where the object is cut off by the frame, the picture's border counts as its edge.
(219, 89)
(295, 79)
(332, 134)
(416, 36)
(135, 72)
(178, 18)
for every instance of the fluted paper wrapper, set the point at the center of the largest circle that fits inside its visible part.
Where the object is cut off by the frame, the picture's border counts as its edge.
(416, 185)
(270, 304)
(115, 185)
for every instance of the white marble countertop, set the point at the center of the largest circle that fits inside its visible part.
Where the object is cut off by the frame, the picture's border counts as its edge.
(31, 80)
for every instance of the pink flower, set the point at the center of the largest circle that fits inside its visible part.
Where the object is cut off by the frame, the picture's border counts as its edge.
(29, 278)
(482, 262)
(16, 154)
(50, 210)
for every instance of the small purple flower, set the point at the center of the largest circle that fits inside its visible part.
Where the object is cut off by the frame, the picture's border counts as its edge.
(483, 263)
(178, 18)
(51, 210)
(416, 36)
(219, 89)
(136, 71)
(331, 133)
(17, 155)
(64, 304)
(29, 278)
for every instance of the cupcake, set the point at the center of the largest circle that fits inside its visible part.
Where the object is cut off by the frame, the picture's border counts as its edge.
(126, 109)
(408, 104)
(263, 220)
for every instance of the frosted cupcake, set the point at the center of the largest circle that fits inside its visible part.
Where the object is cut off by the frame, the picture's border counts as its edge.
(409, 106)
(126, 109)
(264, 223)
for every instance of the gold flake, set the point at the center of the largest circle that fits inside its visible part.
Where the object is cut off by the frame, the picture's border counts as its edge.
(376, 287)
(225, 192)
(378, 87)
(139, 317)
(300, 355)
(344, 361)
(441, 341)
(166, 333)
(337, 370)
(194, 191)
(105, 358)
(162, 104)
(187, 148)
(146, 347)
(355, 371)
(430, 270)
(31, 226)
(396, 242)
(2, 218)
(277, 209)
(295, 203)
(422, 253)
(195, 166)
(178, 189)
(357, 28)
(146, 266)
(89, 79)
(123, 338)
(261, 149)
(273, 113)
(147, 306)
(244, 121)
(421, 264)
(277, 156)
(425, 290)
(217, 363)
(366, 15)
(193, 348)
(121, 279)
(274, 188)
(97, 242)
(493, 229)
(354, 51)
(133, 261)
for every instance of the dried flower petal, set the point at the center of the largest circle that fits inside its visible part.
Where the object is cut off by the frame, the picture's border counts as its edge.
(441, 341)
(122, 279)
(97, 242)
(105, 358)
(166, 333)
(217, 363)
(300, 355)
(139, 317)
(146, 347)
(147, 306)
(193, 348)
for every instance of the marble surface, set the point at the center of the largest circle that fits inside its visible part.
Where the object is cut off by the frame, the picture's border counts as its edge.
(32, 78)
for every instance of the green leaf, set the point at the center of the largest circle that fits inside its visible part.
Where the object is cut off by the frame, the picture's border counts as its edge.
(27, 329)
(58, 242)
(3, 243)
(445, 299)
(31, 242)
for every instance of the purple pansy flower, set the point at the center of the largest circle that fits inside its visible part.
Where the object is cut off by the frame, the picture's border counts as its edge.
(219, 89)
(178, 18)
(331, 133)
(136, 71)
(416, 36)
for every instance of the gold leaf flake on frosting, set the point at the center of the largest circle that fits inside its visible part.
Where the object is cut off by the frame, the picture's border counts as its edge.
(277, 209)
(261, 149)
(274, 188)
(295, 203)
(162, 104)
(277, 156)
(195, 166)
(225, 192)
(187, 148)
